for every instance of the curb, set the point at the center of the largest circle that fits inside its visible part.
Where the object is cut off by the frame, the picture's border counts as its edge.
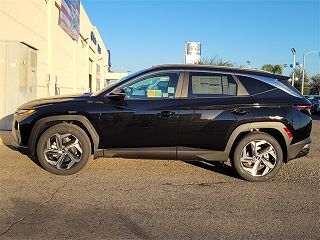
(6, 138)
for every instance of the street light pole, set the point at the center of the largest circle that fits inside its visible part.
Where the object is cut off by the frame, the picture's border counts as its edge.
(294, 64)
(304, 67)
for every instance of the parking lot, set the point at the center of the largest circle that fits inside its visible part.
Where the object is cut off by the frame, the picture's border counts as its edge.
(149, 199)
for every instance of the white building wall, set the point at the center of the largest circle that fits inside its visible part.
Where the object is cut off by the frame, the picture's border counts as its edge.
(59, 58)
(113, 77)
(35, 22)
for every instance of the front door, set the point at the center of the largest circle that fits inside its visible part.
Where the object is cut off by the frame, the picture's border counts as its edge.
(148, 116)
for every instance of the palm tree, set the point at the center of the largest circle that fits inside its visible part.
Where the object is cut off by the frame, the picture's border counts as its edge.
(217, 62)
(277, 69)
(314, 85)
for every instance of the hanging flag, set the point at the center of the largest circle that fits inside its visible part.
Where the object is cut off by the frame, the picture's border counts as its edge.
(69, 17)
(109, 58)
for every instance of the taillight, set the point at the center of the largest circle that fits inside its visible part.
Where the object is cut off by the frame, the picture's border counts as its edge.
(303, 106)
(288, 132)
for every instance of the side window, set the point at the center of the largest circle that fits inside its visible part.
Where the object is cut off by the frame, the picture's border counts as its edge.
(155, 86)
(210, 85)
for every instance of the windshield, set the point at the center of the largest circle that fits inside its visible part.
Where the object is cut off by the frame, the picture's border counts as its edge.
(113, 84)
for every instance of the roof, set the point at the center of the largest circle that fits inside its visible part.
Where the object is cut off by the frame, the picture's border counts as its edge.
(247, 71)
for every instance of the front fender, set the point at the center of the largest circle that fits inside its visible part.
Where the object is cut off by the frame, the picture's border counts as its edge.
(44, 123)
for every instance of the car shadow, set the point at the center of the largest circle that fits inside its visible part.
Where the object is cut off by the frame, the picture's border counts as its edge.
(215, 166)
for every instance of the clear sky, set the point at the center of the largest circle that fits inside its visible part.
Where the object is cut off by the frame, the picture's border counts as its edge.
(140, 34)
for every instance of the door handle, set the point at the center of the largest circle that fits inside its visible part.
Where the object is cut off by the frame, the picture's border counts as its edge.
(166, 114)
(239, 112)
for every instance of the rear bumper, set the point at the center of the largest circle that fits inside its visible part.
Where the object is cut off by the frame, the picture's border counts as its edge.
(299, 149)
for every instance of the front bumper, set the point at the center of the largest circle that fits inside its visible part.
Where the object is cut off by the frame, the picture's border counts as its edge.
(22, 149)
(299, 149)
(17, 141)
(16, 133)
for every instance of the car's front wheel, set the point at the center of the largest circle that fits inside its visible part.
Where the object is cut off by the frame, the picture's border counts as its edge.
(63, 149)
(257, 157)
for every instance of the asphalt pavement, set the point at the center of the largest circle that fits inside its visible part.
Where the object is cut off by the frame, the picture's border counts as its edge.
(154, 199)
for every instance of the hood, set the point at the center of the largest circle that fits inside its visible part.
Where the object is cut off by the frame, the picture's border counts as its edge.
(56, 99)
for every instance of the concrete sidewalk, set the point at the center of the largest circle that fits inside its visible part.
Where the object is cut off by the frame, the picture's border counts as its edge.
(6, 138)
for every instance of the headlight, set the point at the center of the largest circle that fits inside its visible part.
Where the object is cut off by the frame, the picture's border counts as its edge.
(24, 112)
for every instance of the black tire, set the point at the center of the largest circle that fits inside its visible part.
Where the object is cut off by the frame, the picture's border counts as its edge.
(238, 165)
(76, 133)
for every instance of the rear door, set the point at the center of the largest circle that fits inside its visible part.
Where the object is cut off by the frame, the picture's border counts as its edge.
(212, 106)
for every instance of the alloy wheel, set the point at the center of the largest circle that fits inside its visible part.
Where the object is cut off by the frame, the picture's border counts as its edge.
(258, 158)
(63, 151)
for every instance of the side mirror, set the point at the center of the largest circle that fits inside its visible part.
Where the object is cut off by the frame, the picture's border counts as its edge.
(117, 94)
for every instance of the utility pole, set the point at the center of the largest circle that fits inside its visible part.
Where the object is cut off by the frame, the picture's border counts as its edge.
(304, 67)
(294, 64)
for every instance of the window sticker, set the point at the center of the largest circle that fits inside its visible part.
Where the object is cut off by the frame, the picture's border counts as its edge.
(165, 95)
(170, 89)
(154, 93)
(206, 85)
(233, 89)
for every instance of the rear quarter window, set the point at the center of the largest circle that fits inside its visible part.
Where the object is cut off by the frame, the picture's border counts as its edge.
(254, 86)
(263, 84)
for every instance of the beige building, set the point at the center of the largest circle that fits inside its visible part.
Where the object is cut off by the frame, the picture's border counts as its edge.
(112, 77)
(39, 59)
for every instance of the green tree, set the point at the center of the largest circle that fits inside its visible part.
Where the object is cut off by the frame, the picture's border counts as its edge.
(218, 62)
(314, 84)
(267, 67)
(298, 80)
(277, 69)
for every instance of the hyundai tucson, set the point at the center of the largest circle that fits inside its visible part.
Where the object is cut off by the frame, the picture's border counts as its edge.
(252, 118)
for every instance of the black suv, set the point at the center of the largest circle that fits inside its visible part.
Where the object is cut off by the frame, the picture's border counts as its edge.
(203, 113)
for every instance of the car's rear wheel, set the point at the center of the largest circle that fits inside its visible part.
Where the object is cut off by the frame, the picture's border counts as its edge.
(257, 157)
(63, 149)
